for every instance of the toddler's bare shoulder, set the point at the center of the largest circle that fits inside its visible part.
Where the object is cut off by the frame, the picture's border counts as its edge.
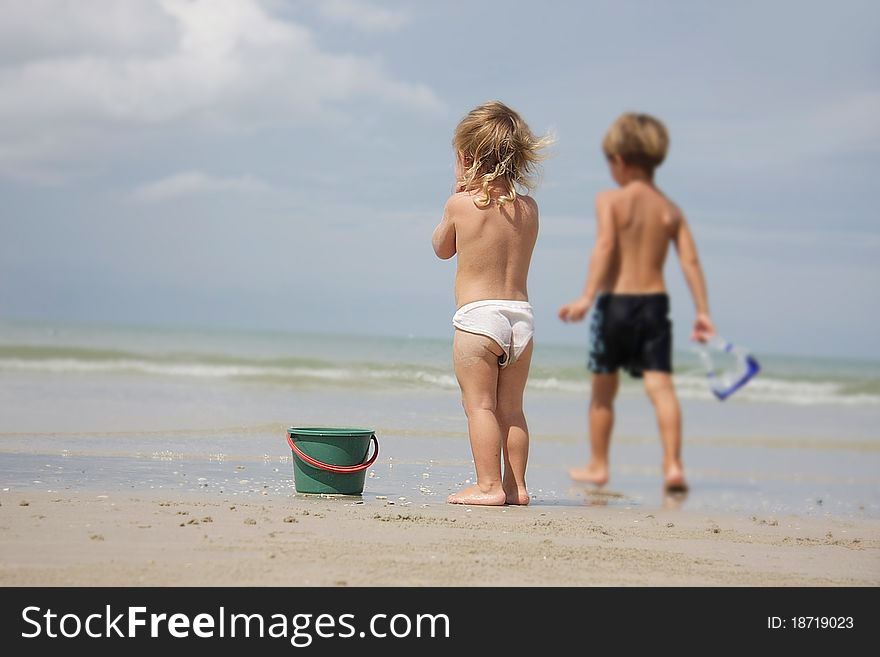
(456, 202)
(529, 201)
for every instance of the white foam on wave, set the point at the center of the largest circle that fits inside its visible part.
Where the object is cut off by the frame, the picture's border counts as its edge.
(225, 371)
(760, 389)
(770, 390)
(552, 383)
(689, 385)
(191, 369)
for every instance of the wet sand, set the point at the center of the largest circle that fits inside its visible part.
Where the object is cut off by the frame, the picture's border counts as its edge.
(136, 539)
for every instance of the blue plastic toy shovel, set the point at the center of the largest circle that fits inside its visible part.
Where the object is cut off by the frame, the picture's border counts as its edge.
(724, 382)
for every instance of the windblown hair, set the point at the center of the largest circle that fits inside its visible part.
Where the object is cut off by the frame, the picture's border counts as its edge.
(640, 140)
(497, 146)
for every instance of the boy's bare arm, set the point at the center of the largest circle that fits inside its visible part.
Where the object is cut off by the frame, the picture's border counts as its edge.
(686, 247)
(443, 238)
(600, 261)
(603, 249)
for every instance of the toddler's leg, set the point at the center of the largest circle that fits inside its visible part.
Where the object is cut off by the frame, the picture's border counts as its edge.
(475, 358)
(661, 391)
(514, 430)
(601, 421)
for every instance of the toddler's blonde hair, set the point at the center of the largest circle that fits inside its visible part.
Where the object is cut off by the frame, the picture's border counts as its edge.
(497, 146)
(640, 140)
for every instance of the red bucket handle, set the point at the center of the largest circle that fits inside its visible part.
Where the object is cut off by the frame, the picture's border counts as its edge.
(334, 468)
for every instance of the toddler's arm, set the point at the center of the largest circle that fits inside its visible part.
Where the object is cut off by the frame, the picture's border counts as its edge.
(693, 275)
(600, 261)
(443, 238)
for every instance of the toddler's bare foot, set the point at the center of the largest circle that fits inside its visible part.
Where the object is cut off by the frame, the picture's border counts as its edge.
(674, 481)
(592, 474)
(473, 495)
(516, 495)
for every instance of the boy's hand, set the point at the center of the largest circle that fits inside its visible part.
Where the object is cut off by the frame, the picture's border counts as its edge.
(704, 329)
(576, 310)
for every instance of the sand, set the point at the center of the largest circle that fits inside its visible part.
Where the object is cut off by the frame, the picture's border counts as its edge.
(133, 539)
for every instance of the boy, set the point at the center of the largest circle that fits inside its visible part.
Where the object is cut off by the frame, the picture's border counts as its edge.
(630, 327)
(492, 228)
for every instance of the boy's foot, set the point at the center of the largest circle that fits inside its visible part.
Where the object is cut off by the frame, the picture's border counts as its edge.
(592, 474)
(673, 480)
(517, 496)
(473, 495)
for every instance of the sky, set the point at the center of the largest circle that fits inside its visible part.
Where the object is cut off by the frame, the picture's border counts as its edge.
(269, 164)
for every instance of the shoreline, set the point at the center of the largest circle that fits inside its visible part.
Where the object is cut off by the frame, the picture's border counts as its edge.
(195, 539)
(740, 477)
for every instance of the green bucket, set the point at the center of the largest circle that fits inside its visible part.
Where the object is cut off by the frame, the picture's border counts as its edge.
(331, 460)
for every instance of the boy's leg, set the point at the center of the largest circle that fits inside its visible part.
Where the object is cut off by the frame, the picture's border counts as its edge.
(475, 358)
(601, 421)
(661, 391)
(514, 430)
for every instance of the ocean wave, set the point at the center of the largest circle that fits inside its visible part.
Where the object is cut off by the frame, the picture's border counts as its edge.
(199, 370)
(776, 390)
(690, 384)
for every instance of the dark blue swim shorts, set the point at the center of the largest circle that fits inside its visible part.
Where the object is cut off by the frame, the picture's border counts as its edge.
(631, 331)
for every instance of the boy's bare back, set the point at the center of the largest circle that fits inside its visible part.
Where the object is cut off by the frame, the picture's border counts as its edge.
(635, 224)
(631, 328)
(494, 246)
(643, 222)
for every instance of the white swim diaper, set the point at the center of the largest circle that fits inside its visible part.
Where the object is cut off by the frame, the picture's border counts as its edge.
(510, 323)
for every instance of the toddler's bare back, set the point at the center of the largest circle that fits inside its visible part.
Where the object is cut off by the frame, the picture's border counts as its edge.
(494, 246)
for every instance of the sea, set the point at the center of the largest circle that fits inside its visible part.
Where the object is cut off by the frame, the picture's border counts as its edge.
(100, 408)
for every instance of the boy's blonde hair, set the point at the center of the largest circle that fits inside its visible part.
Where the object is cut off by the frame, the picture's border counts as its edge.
(497, 145)
(640, 140)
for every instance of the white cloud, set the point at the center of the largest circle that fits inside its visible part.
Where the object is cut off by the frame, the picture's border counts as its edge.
(362, 15)
(57, 27)
(202, 62)
(189, 183)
